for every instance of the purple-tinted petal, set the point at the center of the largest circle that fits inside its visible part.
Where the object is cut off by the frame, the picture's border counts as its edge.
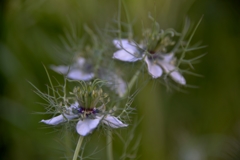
(123, 43)
(120, 87)
(77, 74)
(80, 61)
(168, 57)
(154, 70)
(58, 119)
(74, 105)
(175, 75)
(60, 69)
(113, 122)
(115, 82)
(127, 55)
(86, 126)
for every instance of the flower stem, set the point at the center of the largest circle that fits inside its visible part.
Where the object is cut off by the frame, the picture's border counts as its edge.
(133, 81)
(188, 43)
(67, 142)
(53, 90)
(109, 145)
(130, 32)
(75, 156)
(119, 20)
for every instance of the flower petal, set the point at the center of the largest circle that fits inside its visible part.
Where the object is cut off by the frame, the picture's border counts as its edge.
(123, 43)
(127, 54)
(58, 119)
(60, 69)
(86, 126)
(77, 74)
(175, 75)
(114, 81)
(81, 61)
(154, 69)
(74, 105)
(119, 86)
(113, 122)
(167, 57)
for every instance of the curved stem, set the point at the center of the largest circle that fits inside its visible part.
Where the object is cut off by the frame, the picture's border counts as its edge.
(109, 145)
(75, 156)
(134, 79)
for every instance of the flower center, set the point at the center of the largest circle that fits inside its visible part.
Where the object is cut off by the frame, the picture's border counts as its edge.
(87, 111)
(152, 52)
(153, 56)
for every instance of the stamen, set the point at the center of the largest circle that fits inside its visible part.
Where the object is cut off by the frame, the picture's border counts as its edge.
(152, 52)
(87, 111)
(80, 110)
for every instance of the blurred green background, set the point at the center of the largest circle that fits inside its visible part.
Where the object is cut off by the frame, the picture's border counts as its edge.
(202, 124)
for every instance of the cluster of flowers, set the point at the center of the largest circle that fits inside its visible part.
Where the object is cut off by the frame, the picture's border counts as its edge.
(157, 50)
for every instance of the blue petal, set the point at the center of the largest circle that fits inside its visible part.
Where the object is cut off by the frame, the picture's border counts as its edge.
(86, 126)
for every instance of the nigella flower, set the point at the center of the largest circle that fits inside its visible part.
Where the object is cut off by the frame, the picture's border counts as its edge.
(157, 62)
(88, 119)
(83, 70)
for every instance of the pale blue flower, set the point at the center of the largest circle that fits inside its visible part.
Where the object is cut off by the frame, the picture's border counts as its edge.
(157, 63)
(83, 70)
(88, 119)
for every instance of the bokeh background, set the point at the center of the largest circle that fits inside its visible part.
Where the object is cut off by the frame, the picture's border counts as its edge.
(200, 124)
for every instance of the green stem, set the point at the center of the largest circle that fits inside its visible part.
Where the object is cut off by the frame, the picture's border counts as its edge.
(49, 78)
(67, 142)
(64, 91)
(132, 81)
(75, 156)
(130, 33)
(119, 19)
(185, 48)
(109, 145)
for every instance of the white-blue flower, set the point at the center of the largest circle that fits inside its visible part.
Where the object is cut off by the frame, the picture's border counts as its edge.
(83, 70)
(85, 124)
(80, 70)
(156, 63)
